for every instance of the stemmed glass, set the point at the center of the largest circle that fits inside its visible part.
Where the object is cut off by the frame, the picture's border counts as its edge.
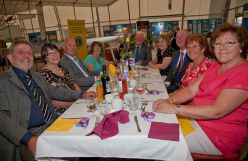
(91, 104)
(140, 89)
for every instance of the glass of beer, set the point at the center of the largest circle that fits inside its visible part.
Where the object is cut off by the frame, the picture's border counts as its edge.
(140, 89)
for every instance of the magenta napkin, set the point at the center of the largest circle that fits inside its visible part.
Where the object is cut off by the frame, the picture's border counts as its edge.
(108, 126)
(164, 131)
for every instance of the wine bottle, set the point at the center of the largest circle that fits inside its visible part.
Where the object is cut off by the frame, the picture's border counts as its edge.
(105, 81)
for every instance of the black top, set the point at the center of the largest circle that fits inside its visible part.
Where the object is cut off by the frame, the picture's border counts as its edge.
(167, 53)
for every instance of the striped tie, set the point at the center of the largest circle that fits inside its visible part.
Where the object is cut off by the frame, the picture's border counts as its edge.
(40, 100)
(82, 66)
(180, 64)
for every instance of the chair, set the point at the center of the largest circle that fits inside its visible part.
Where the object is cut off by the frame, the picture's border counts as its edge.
(204, 157)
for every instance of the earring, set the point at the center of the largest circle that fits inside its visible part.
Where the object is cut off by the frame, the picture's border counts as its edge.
(240, 51)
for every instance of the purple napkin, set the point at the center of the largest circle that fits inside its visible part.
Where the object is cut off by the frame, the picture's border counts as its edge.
(164, 131)
(108, 126)
(83, 122)
(148, 116)
(154, 92)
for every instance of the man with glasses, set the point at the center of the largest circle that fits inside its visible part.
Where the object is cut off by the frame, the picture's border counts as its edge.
(25, 104)
(180, 61)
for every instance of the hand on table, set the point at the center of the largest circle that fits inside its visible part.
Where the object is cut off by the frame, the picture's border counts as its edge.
(89, 94)
(90, 67)
(165, 106)
(32, 144)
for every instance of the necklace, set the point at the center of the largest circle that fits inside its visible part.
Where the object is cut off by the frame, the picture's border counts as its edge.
(55, 69)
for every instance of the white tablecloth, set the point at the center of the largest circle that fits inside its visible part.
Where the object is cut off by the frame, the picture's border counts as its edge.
(128, 143)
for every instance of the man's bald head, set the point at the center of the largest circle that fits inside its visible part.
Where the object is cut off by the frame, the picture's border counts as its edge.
(70, 46)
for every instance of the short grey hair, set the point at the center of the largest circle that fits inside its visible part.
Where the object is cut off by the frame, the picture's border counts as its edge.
(18, 42)
(140, 33)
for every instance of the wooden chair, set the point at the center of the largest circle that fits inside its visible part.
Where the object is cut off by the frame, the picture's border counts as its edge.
(204, 157)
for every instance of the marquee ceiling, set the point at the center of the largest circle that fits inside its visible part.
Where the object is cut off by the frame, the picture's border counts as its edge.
(10, 7)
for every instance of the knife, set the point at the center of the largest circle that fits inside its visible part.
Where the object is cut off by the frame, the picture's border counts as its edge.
(137, 123)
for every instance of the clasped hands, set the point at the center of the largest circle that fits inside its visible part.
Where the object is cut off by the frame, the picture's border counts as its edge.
(165, 106)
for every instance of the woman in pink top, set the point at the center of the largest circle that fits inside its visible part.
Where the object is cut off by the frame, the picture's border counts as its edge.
(220, 98)
(196, 50)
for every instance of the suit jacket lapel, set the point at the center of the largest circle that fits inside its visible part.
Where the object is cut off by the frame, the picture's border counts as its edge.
(14, 78)
(73, 65)
(38, 81)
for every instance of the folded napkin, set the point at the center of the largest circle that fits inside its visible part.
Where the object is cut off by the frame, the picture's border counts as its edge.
(164, 131)
(62, 125)
(108, 127)
(186, 125)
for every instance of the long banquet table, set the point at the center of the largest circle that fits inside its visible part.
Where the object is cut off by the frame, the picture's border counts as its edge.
(128, 143)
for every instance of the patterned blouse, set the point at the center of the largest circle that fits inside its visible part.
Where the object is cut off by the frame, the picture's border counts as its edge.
(190, 77)
(58, 81)
(160, 56)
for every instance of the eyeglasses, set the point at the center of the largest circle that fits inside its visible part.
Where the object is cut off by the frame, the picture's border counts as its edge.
(226, 44)
(192, 47)
(52, 52)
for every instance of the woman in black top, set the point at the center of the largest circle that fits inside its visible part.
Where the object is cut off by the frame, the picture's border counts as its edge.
(164, 54)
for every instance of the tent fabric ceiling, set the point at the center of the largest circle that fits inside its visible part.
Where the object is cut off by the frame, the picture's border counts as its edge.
(9, 7)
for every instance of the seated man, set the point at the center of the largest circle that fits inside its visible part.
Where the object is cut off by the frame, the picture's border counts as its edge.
(25, 104)
(77, 70)
(180, 61)
(142, 53)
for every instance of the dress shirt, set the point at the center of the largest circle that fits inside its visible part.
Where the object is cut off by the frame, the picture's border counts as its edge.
(36, 111)
(184, 54)
(77, 64)
(137, 53)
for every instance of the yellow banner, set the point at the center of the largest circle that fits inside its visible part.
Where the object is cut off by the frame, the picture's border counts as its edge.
(76, 30)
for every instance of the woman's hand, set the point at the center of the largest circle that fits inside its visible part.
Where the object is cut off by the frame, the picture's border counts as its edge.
(90, 67)
(152, 63)
(165, 106)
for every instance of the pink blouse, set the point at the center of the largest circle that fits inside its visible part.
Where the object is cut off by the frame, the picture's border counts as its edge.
(190, 77)
(229, 133)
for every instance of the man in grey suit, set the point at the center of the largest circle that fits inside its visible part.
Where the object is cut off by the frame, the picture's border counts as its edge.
(78, 72)
(179, 63)
(141, 52)
(25, 104)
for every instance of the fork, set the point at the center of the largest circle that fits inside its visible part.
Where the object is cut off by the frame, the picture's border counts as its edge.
(143, 106)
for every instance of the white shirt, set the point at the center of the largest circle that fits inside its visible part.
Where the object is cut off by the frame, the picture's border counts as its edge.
(73, 59)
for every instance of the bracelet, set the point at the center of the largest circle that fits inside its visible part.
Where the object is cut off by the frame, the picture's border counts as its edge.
(177, 111)
(172, 100)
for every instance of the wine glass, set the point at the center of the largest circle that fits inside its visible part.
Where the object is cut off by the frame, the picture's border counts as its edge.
(91, 104)
(140, 89)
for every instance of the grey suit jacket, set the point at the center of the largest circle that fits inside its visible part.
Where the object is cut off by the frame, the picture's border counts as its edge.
(145, 54)
(15, 107)
(84, 82)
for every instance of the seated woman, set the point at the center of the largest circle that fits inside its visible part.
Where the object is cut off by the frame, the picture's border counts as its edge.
(94, 61)
(56, 75)
(164, 54)
(196, 50)
(219, 98)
